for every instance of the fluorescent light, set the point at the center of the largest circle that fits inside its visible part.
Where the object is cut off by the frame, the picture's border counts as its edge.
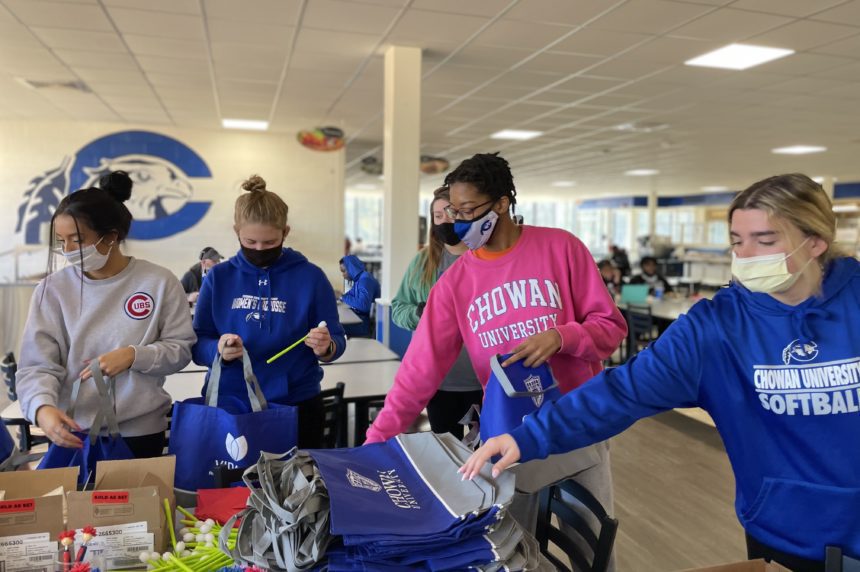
(641, 172)
(516, 134)
(715, 189)
(845, 208)
(249, 124)
(798, 150)
(564, 183)
(819, 180)
(738, 57)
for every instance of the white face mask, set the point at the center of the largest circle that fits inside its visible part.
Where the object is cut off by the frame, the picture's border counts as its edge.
(89, 256)
(768, 273)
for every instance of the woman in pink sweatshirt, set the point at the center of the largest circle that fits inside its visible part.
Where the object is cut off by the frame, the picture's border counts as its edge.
(532, 291)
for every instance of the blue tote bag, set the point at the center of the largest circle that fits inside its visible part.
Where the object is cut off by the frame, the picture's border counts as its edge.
(513, 392)
(97, 447)
(206, 432)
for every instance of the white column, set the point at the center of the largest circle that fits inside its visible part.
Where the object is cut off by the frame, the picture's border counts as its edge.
(652, 210)
(828, 184)
(402, 140)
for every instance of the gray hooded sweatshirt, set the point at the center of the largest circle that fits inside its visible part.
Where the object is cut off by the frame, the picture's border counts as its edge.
(143, 306)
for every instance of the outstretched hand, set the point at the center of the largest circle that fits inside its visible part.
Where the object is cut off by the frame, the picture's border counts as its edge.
(503, 445)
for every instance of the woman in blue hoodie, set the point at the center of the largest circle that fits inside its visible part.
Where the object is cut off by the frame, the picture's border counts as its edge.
(774, 358)
(263, 299)
(365, 290)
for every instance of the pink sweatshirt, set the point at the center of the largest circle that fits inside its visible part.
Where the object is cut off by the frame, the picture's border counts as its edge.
(547, 280)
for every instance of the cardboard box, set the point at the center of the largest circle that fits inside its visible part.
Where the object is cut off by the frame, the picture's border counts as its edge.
(25, 510)
(125, 492)
(746, 566)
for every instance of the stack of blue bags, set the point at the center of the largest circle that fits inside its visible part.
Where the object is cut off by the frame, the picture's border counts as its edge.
(402, 505)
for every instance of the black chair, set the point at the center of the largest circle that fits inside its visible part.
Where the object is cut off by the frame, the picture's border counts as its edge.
(8, 367)
(600, 542)
(334, 431)
(640, 328)
(835, 561)
(367, 407)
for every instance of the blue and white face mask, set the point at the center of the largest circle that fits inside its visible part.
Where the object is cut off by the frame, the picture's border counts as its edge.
(476, 232)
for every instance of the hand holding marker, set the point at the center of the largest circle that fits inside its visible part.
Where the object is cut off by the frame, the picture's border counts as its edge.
(294, 344)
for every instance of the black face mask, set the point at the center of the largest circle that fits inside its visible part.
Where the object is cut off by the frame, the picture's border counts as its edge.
(262, 258)
(445, 233)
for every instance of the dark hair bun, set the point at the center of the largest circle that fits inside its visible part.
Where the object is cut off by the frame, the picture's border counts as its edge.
(254, 183)
(118, 185)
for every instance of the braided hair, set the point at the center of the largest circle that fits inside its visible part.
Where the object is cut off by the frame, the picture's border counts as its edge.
(490, 174)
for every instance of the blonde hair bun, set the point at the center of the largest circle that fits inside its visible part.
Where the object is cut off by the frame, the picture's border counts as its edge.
(254, 183)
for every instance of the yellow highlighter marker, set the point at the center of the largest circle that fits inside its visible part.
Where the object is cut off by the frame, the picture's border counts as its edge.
(294, 344)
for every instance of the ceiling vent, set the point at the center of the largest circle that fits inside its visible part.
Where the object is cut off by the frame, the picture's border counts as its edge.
(641, 127)
(75, 85)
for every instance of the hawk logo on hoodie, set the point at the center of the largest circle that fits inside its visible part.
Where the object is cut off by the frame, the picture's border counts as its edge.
(799, 351)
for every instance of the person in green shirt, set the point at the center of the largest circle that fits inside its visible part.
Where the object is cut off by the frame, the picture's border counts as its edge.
(460, 388)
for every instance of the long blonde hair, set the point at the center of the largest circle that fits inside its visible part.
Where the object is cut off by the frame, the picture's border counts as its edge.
(797, 199)
(259, 205)
(432, 252)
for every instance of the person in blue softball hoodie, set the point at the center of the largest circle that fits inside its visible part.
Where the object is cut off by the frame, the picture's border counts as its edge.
(774, 358)
(262, 300)
(365, 290)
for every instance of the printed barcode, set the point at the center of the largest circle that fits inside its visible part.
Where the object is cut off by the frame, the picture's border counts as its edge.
(122, 562)
(139, 548)
(40, 558)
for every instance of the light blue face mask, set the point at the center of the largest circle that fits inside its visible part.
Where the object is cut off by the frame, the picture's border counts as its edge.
(476, 232)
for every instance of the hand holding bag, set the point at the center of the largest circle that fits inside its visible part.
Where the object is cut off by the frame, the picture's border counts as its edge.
(97, 447)
(209, 431)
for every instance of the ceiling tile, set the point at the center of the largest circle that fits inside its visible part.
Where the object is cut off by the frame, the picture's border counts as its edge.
(79, 39)
(561, 63)
(248, 54)
(166, 47)
(59, 14)
(227, 31)
(649, 16)
(599, 42)
(340, 15)
(176, 6)
(335, 43)
(805, 34)
(848, 13)
(525, 35)
(727, 25)
(108, 60)
(793, 8)
(425, 28)
(272, 12)
(483, 8)
(553, 12)
(176, 66)
(160, 24)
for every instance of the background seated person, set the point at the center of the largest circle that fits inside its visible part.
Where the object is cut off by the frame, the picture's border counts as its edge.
(650, 276)
(360, 297)
(611, 276)
(192, 279)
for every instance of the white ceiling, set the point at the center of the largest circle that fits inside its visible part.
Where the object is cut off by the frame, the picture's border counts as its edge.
(574, 69)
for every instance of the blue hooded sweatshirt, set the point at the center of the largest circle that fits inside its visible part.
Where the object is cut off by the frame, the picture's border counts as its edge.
(365, 289)
(782, 384)
(269, 308)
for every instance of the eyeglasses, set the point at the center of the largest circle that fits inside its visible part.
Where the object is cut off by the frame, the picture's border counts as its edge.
(464, 214)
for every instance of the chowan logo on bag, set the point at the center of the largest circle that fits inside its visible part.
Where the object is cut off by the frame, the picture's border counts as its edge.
(362, 482)
(534, 385)
(237, 447)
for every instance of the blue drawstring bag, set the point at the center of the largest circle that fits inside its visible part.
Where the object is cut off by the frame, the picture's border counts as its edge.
(512, 393)
(208, 431)
(97, 447)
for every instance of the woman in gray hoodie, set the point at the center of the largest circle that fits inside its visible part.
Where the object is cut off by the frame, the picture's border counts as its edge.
(128, 314)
